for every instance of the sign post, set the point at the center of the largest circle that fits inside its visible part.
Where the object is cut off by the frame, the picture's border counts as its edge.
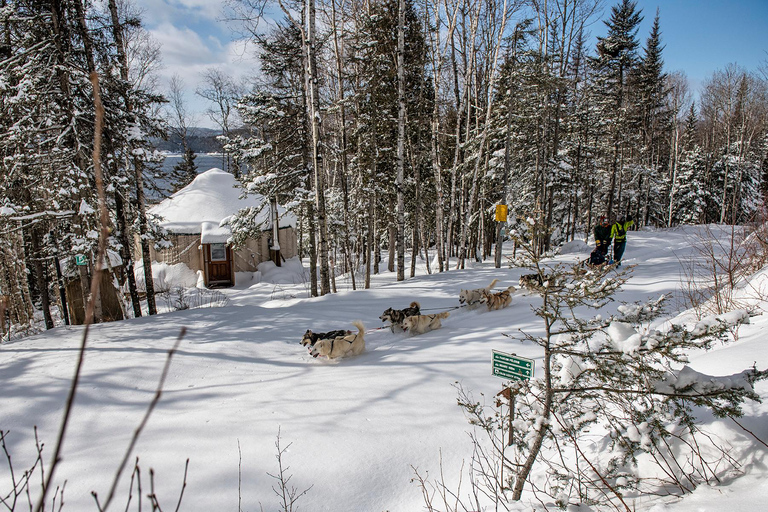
(510, 367)
(80, 260)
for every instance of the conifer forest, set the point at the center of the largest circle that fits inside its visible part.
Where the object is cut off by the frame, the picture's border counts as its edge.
(385, 126)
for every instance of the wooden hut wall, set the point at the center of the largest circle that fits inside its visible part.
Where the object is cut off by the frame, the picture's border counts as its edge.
(110, 302)
(186, 249)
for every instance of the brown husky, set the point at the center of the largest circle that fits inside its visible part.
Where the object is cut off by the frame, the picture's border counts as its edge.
(498, 300)
(341, 346)
(419, 324)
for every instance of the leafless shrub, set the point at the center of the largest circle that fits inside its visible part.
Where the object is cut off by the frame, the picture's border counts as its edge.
(721, 266)
(21, 486)
(287, 494)
(181, 299)
(281, 293)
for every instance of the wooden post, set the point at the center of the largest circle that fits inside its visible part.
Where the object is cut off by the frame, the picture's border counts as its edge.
(507, 393)
(511, 418)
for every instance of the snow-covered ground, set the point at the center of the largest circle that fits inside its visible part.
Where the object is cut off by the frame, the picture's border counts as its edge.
(354, 430)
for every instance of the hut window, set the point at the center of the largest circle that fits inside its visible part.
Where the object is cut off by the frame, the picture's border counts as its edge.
(218, 252)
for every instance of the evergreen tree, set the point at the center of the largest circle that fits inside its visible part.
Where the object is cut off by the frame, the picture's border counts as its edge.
(273, 153)
(689, 190)
(379, 103)
(185, 170)
(615, 61)
(650, 92)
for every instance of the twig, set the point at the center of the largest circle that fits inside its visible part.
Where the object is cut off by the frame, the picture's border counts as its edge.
(749, 432)
(239, 478)
(183, 485)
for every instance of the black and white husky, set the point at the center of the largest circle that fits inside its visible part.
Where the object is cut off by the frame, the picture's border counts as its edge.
(310, 338)
(395, 317)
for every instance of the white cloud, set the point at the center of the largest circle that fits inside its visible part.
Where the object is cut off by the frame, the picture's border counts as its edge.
(210, 9)
(159, 11)
(193, 40)
(181, 46)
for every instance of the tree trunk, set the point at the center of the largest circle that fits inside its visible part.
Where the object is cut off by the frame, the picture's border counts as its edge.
(400, 242)
(312, 230)
(126, 253)
(41, 278)
(343, 133)
(314, 119)
(141, 203)
(480, 158)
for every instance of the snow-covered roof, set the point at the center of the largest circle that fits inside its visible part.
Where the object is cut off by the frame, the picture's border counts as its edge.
(211, 197)
(212, 233)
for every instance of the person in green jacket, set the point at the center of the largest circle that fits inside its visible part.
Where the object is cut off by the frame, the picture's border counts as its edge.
(619, 234)
(603, 235)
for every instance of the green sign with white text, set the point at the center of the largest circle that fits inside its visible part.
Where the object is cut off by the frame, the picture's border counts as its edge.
(80, 260)
(511, 367)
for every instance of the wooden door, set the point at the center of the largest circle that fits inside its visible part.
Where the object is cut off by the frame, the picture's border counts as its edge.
(219, 258)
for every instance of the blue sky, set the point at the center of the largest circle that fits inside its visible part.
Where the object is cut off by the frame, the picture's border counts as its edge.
(700, 37)
(703, 36)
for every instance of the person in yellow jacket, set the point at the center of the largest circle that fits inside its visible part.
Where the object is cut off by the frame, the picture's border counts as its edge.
(619, 234)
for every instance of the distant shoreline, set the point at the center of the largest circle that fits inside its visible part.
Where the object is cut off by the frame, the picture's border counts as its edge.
(179, 155)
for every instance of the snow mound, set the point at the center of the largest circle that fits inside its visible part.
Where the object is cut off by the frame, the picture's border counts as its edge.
(290, 272)
(730, 319)
(575, 247)
(624, 337)
(166, 277)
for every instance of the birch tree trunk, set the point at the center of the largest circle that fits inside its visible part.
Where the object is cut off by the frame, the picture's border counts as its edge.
(400, 242)
(480, 158)
(343, 134)
(438, 56)
(314, 115)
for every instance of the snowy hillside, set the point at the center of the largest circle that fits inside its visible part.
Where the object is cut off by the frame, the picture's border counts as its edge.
(355, 431)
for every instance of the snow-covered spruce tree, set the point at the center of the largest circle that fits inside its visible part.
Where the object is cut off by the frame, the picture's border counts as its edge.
(133, 96)
(615, 61)
(613, 394)
(271, 158)
(655, 120)
(46, 125)
(689, 190)
(272, 155)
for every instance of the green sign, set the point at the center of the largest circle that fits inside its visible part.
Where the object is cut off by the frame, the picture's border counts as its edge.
(511, 367)
(80, 260)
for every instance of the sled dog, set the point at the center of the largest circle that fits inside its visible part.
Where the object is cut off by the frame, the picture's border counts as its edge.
(395, 317)
(498, 300)
(310, 338)
(341, 346)
(419, 324)
(472, 297)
